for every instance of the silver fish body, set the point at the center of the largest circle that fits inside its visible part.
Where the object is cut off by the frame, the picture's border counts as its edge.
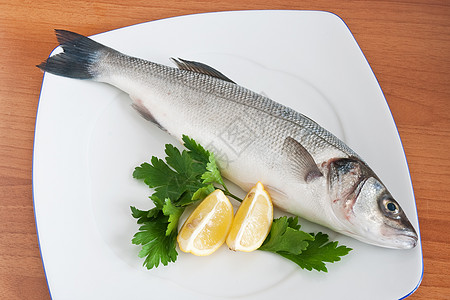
(308, 171)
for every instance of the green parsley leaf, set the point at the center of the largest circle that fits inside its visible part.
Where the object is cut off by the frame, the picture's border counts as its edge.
(318, 252)
(213, 174)
(293, 223)
(196, 151)
(153, 174)
(178, 179)
(174, 213)
(157, 247)
(139, 214)
(308, 251)
(183, 163)
(203, 192)
(159, 203)
(144, 215)
(285, 236)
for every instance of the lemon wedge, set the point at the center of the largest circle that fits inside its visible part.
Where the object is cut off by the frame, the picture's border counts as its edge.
(206, 229)
(252, 221)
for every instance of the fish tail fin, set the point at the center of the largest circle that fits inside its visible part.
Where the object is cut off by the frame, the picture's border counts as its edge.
(78, 59)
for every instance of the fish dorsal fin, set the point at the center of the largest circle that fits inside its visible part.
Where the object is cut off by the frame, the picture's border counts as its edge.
(303, 164)
(199, 68)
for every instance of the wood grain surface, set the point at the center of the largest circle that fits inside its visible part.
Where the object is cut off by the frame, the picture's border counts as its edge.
(407, 44)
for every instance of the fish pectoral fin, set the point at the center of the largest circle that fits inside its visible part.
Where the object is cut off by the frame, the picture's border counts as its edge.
(301, 161)
(199, 68)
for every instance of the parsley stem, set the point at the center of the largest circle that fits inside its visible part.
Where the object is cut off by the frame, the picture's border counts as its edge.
(227, 192)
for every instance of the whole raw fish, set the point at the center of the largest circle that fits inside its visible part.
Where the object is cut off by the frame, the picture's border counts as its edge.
(308, 171)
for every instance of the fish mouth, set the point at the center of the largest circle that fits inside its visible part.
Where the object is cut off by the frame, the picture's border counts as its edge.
(397, 238)
(409, 240)
(404, 240)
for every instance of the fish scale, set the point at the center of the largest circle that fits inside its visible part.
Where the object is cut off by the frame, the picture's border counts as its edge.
(313, 136)
(234, 94)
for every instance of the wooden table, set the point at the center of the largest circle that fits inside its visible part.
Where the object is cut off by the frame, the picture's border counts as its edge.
(407, 44)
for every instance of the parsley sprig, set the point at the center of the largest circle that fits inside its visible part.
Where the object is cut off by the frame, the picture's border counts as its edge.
(308, 251)
(183, 178)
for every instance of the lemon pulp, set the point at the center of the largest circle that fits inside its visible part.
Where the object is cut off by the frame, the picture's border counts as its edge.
(252, 222)
(207, 228)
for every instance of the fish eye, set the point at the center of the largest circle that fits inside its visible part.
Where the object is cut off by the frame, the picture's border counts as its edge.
(391, 207)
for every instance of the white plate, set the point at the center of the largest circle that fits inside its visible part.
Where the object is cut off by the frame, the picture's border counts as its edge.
(88, 141)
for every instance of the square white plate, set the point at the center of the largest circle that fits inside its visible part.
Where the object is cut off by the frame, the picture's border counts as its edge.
(88, 140)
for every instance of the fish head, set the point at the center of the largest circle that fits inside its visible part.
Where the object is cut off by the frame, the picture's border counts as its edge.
(366, 208)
